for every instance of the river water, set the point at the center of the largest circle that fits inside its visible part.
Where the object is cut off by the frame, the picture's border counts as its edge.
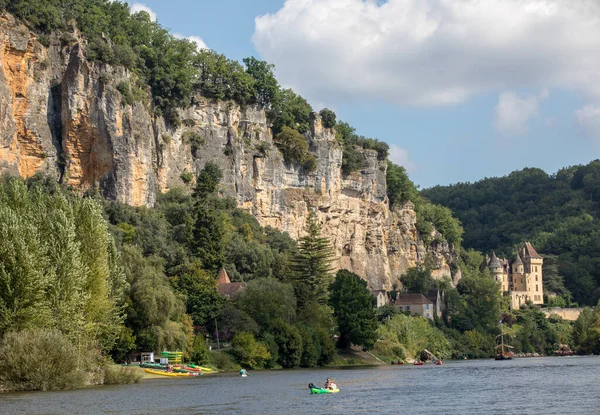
(550, 385)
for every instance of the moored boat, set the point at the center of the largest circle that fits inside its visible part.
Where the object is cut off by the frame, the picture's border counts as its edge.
(171, 374)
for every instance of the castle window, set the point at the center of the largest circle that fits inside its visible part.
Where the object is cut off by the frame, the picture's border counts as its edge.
(536, 278)
(536, 287)
(536, 268)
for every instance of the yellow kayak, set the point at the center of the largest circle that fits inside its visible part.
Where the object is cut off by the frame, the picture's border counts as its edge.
(204, 369)
(163, 373)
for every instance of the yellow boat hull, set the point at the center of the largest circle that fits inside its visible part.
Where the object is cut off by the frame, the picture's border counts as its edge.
(171, 374)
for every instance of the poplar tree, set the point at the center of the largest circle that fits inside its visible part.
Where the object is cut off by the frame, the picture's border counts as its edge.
(208, 244)
(311, 264)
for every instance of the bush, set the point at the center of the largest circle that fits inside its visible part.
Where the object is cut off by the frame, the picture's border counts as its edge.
(328, 117)
(309, 164)
(263, 147)
(195, 140)
(186, 176)
(223, 361)
(39, 360)
(200, 353)
(125, 90)
(292, 144)
(121, 375)
(249, 352)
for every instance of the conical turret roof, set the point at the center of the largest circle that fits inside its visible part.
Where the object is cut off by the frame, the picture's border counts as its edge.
(518, 260)
(494, 262)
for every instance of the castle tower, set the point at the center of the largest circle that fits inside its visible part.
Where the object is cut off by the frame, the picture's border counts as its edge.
(497, 271)
(518, 277)
(533, 273)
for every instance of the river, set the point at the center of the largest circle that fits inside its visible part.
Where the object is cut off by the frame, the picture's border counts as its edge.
(549, 385)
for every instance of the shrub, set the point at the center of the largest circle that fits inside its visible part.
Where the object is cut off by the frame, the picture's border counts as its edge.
(39, 360)
(263, 147)
(292, 145)
(200, 353)
(248, 351)
(328, 117)
(186, 176)
(166, 137)
(195, 140)
(223, 361)
(125, 90)
(121, 375)
(309, 163)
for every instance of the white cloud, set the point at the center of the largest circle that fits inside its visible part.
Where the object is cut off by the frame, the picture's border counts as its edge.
(430, 52)
(513, 112)
(139, 7)
(399, 156)
(588, 119)
(200, 44)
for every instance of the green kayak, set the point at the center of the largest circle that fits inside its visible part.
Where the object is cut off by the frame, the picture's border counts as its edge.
(323, 390)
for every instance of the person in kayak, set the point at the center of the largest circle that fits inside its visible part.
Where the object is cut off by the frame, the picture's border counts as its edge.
(330, 385)
(243, 372)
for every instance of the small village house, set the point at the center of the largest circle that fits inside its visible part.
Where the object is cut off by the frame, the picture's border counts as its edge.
(415, 303)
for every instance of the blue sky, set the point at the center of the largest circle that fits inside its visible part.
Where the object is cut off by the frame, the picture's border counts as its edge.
(460, 91)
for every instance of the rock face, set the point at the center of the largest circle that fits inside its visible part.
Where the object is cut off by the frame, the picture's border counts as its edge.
(63, 116)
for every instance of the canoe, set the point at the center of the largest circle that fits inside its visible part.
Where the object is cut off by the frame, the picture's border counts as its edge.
(163, 373)
(318, 391)
(417, 363)
(204, 369)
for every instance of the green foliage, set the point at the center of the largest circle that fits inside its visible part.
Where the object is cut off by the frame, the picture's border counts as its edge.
(56, 265)
(311, 265)
(266, 87)
(353, 158)
(120, 375)
(155, 313)
(249, 352)
(558, 213)
(223, 79)
(586, 331)
(480, 304)
(400, 188)
(187, 177)
(411, 335)
(418, 280)
(39, 359)
(290, 110)
(200, 290)
(532, 332)
(292, 144)
(195, 140)
(200, 353)
(289, 341)
(353, 308)
(328, 118)
(267, 300)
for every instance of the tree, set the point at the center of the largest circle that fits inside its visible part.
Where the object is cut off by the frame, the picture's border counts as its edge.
(265, 85)
(202, 298)
(311, 265)
(289, 340)
(328, 117)
(209, 232)
(353, 308)
(292, 144)
(248, 351)
(418, 280)
(267, 300)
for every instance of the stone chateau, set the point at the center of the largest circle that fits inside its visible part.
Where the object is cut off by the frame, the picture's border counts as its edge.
(521, 277)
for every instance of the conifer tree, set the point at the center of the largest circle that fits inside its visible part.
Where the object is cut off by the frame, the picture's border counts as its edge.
(311, 264)
(208, 244)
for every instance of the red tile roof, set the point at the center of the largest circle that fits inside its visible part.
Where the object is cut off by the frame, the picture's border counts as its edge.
(411, 299)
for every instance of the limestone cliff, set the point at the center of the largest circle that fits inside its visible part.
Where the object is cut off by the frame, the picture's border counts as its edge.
(63, 116)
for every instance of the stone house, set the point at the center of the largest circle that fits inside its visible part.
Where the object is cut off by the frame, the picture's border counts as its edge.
(380, 297)
(416, 303)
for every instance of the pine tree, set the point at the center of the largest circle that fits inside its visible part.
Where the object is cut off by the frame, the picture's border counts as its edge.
(311, 264)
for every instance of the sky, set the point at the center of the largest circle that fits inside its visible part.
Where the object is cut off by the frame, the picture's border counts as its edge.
(460, 89)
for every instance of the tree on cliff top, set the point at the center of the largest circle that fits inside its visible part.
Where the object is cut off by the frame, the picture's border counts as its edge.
(311, 265)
